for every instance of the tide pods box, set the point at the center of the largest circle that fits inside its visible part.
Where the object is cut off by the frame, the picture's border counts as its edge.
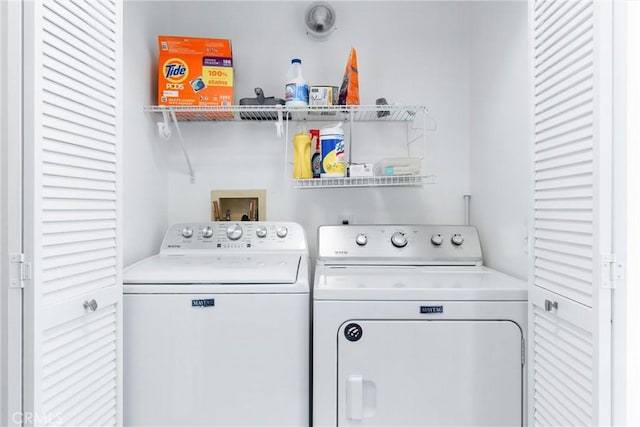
(194, 71)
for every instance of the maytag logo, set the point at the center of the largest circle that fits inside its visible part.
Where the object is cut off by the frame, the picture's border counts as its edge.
(431, 309)
(174, 246)
(341, 252)
(203, 302)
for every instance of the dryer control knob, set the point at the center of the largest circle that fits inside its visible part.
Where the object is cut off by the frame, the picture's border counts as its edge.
(399, 240)
(437, 239)
(361, 239)
(234, 232)
(261, 231)
(457, 239)
(282, 232)
(207, 232)
(187, 232)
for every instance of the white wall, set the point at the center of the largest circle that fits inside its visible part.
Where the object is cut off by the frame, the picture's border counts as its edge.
(632, 295)
(500, 143)
(408, 52)
(626, 295)
(3, 244)
(10, 208)
(467, 62)
(146, 198)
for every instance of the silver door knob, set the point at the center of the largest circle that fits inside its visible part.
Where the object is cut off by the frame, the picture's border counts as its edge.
(90, 305)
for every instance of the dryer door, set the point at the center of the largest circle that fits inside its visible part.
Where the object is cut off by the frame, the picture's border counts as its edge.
(408, 373)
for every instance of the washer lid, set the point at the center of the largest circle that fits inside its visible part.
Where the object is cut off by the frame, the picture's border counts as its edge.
(221, 269)
(416, 283)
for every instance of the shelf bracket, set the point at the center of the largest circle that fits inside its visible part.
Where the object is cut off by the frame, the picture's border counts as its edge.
(416, 133)
(350, 136)
(279, 124)
(164, 127)
(184, 150)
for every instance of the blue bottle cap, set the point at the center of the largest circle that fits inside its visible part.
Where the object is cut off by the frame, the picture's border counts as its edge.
(296, 60)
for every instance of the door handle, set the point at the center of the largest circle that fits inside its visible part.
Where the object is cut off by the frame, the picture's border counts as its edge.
(355, 403)
(361, 398)
(90, 305)
(548, 305)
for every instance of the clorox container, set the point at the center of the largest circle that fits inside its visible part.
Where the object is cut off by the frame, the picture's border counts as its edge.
(332, 144)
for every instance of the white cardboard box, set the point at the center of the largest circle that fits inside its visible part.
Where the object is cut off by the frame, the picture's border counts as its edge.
(360, 169)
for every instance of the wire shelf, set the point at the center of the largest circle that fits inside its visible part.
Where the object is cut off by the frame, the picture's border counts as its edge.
(368, 113)
(283, 115)
(366, 181)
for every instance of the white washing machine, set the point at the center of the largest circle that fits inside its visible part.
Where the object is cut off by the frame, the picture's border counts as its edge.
(409, 329)
(216, 328)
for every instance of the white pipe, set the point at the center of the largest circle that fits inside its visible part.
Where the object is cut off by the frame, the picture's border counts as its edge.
(467, 209)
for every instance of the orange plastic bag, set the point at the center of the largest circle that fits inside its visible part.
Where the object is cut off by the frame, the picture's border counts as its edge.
(350, 89)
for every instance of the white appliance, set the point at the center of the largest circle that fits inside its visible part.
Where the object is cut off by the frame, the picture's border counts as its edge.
(410, 329)
(216, 328)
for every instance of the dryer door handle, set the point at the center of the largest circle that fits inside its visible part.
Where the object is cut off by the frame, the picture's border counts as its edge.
(355, 396)
(361, 398)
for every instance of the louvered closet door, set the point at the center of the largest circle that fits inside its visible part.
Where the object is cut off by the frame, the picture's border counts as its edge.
(73, 128)
(570, 309)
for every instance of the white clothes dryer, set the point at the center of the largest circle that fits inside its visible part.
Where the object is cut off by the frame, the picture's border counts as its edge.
(216, 328)
(410, 329)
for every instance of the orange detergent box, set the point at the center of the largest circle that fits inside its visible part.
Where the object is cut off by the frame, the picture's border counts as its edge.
(194, 71)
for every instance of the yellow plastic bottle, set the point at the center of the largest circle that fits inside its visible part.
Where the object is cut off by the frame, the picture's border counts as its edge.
(302, 156)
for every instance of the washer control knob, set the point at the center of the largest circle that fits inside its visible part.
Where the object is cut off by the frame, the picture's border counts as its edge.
(361, 239)
(234, 232)
(207, 232)
(457, 239)
(187, 232)
(282, 232)
(261, 231)
(437, 239)
(399, 240)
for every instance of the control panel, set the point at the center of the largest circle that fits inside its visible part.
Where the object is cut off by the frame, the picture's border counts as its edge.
(399, 244)
(245, 235)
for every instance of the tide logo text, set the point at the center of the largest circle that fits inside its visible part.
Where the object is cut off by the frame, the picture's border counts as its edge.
(175, 70)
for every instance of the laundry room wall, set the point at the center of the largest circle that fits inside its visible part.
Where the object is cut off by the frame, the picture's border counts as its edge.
(500, 153)
(146, 200)
(3, 198)
(462, 60)
(408, 52)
